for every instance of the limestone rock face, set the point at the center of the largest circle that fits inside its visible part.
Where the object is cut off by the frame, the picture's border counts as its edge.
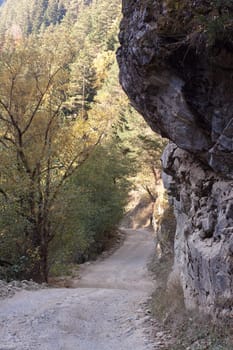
(184, 90)
(203, 203)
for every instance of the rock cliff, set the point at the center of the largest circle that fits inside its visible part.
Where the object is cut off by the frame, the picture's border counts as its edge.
(176, 65)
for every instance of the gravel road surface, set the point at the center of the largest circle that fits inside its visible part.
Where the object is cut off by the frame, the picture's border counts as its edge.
(105, 309)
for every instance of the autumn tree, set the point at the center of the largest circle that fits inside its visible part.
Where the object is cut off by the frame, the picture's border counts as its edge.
(40, 147)
(59, 96)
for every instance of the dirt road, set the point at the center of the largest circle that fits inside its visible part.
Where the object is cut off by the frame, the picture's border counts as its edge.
(102, 312)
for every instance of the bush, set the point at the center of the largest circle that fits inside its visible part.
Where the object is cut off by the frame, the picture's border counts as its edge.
(96, 197)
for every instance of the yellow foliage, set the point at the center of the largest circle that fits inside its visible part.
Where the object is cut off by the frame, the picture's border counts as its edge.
(102, 63)
(38, 143)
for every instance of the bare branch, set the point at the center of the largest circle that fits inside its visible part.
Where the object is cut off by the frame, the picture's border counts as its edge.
(11, 91)
(40, 100)
(4, 119)
(3, 193)
(152, 196)
(13, 121)
(71, 168)
(54, 115)
(7, 138)
(55, 167)
(3, 143)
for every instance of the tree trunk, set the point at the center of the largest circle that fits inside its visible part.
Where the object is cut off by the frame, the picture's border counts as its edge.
(44, 262)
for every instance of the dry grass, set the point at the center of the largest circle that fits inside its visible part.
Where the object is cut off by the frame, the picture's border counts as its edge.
(190, 330)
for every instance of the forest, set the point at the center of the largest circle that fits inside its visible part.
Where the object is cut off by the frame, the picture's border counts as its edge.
(72, 147)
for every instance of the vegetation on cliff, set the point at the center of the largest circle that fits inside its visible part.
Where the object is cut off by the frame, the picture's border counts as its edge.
(197, 22)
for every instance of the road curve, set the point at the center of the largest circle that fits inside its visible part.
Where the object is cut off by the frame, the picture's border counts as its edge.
(102, 312)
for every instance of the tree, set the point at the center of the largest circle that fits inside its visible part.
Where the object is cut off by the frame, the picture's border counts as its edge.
(59, 97)
(40, 148)
(31, 16)
(96, 198)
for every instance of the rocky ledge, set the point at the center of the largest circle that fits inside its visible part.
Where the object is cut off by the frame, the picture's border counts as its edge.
(176, 65)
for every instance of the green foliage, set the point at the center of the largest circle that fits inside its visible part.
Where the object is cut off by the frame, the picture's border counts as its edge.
(59, 97)
(94, 34)
(211, 19)
(12, 244)
(40, 149)
(43, 145)
(24, 17)
(218, 24)
(97, 195)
